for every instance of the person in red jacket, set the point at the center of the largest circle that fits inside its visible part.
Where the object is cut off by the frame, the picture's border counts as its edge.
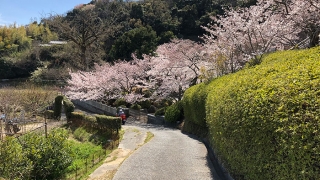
(123, 116)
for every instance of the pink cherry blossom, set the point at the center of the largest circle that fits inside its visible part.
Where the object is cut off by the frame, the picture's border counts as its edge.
(248, 33)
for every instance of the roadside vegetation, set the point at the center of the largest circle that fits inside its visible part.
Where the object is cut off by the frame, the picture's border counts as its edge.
(87, 154)
(233, 71)
(263, 121)
(69, 151)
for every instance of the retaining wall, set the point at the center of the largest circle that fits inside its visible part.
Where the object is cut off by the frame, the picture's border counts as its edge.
(99, 108)
(152, 119)
(96, 107)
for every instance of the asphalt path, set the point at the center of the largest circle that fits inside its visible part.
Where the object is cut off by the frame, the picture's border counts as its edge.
(170, 155)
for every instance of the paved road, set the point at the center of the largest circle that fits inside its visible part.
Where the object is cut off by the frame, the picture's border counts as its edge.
(169, 155)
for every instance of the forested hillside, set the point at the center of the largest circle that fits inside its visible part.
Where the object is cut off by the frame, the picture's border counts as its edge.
(114, 30)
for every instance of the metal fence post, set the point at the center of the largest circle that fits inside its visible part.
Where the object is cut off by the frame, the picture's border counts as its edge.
(45, 127)
(92, 160)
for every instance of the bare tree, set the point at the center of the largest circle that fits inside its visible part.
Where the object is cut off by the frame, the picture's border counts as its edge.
(84, 27)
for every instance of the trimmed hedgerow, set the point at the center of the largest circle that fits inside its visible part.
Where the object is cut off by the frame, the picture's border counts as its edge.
(99, 122)
(68, 107)
(77, 118)
(174, 112)
(108, 122)
(264, 121)
(193, 102)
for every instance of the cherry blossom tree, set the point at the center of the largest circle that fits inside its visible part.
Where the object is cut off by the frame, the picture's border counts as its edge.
(247, 33)
(108, 82)
(306, 15)
(167, 75)
(176, 67)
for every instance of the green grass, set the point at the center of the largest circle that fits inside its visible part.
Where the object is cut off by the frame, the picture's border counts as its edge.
(85, 158)
(88, 151)
(149, 137)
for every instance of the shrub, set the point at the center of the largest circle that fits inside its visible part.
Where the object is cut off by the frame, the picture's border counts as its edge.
(145, 104)
(10, 69)
(90, 122)
(147, 93)
(100, 122)
(68, 107)
(194, 100)
(173, 113)
(263, 121)
(49, 114)
(135, 106)
(160, 112)
(58, 107)
(50, 156)
(162, 103)
(77, 118)
(152, 109)
(194, 104)
(109, 122)
(81, 134)
(6, 69)
(14, 161)
(120, 102)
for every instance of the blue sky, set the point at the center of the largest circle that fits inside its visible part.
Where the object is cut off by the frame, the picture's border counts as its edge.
(22, 11)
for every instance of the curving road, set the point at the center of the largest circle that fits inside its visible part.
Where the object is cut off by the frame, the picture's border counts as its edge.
(170, 155)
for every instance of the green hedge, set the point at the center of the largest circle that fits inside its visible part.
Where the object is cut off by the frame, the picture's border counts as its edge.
(68, 107)
(77, 118)
(109, 122)
(100, 122)
(264, 121)
(194, 100)
(81, 119)
(174, 112)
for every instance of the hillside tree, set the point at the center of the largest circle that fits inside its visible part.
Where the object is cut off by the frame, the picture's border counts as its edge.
(83, 27)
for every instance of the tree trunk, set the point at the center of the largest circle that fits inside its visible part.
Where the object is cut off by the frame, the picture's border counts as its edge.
(180, 93)
(314, 39)
(84, 58)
